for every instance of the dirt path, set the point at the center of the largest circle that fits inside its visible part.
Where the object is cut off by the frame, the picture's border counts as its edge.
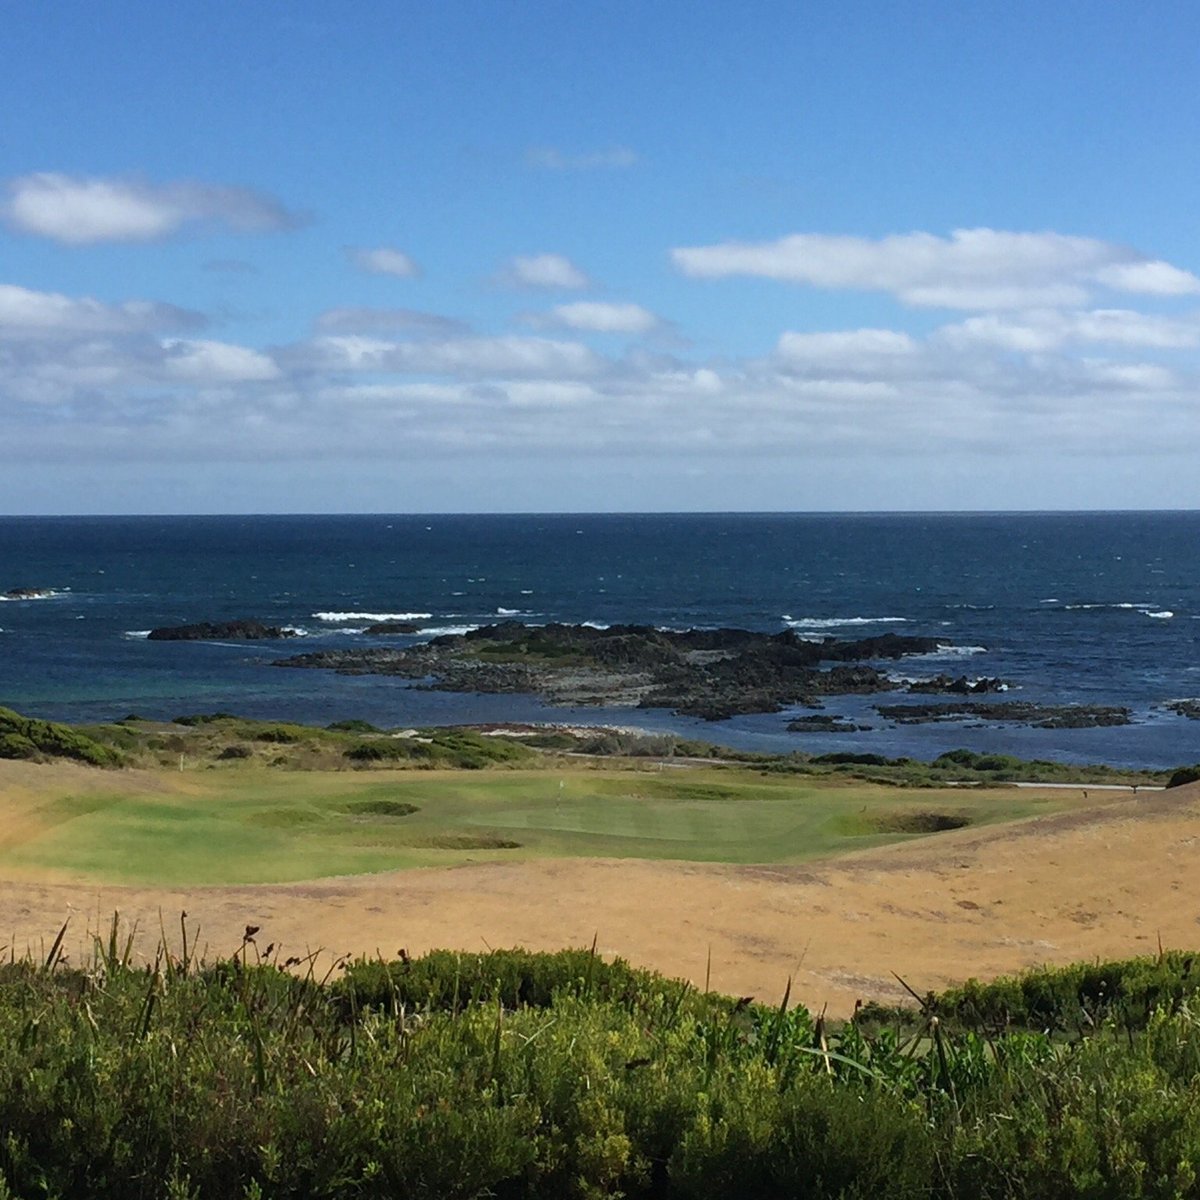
(1103, 882)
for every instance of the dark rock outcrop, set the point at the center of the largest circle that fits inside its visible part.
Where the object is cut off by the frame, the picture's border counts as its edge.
(1040, 716)
(394, 627)
(822, 723)
(219, 631)
(960, 686)
(708, 673)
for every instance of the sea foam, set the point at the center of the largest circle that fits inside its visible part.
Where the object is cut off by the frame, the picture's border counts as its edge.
(834, 622)
(334, 617)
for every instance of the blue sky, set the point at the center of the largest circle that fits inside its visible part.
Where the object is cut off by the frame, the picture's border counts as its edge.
(543, 256)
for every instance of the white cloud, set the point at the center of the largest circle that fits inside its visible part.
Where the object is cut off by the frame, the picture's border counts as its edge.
(384, 260)
(1049, 329)
(971, 269)
(850, 346)
(81, 211)
(206, 362)
(550, 271)
(1155, 278)
(595, 316)
(83, 377)
(33, 313)
(614, 158)
(387, 320)
(466, 356)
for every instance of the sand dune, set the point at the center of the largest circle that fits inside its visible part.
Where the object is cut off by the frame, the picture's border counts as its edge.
(1108, 881)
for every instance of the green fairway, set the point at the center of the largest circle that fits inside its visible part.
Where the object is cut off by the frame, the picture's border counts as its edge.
(251, 825)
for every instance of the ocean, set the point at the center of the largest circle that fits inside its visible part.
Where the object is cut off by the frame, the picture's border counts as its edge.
(1096, 608)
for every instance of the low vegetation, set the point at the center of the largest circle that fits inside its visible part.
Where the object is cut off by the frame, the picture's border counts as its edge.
(41, 741)
(559, 1076)
(1075, 1000)
(213, 739)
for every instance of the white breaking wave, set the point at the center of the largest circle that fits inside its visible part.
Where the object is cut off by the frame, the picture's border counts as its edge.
(443, 630)
(911, 679)
(602, 625)
(834, 622)
(948, 651)
(1142, 605)
(372, 617)
(508, 612)
(137, 633)
(1165, 615)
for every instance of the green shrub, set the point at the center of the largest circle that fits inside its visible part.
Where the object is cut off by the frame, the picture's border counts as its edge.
(1184, 775)
(51, 740)
(205, 718)
(17, 745)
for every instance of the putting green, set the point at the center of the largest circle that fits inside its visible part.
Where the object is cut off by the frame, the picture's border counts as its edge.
(256, 825)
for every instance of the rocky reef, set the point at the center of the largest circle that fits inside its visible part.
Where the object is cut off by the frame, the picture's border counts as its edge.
(708, 673)
(219, 631)
(957, 686)
(1040, 716)
(26, 593)
(824, 723)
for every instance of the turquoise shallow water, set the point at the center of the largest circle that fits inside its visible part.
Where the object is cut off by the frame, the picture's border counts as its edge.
(1096, 608)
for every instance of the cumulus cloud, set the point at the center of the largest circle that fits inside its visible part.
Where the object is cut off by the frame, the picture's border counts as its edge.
(1051, 329)
(614, 158)
(49, 313)
(208, 363)
(595, 316)
(970, 269)
(384, 260)
(79, 211)
(84, 377)
(465, 356)
(845, 346)
(553, 272)
(387, 320)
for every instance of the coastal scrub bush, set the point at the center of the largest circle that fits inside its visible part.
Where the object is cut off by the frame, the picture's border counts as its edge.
(451, 981)
(1078, 998)
(459, 748)
(17, 745)
(517, 1075)
(49, 740)
(1184, 775)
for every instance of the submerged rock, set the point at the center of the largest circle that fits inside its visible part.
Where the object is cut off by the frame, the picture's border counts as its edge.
(822, 723)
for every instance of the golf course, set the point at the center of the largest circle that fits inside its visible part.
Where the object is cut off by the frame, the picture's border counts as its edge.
(251, 825)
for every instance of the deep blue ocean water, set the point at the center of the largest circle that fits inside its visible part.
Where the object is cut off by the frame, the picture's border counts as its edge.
(1095, 608)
